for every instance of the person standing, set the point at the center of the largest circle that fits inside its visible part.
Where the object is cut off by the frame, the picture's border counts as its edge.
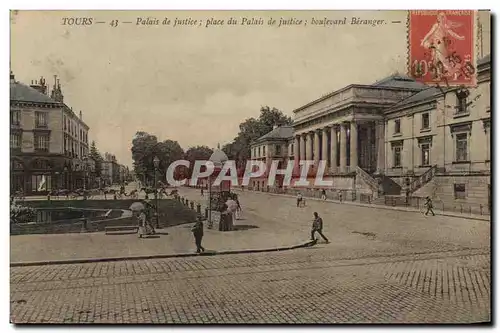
(323, 194)
(141, 218)
(149, 211)
(340, 196)
(197, 230)
(429, 206)
(318, 227)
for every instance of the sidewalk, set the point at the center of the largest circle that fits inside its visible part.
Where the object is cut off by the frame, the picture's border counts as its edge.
(355, 203)
(249, 236)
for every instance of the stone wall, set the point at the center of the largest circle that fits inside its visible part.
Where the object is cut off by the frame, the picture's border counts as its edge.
(171, 213)
(441, 189)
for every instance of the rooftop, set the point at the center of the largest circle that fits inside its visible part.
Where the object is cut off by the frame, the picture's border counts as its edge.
(399, 81)
(22, 93)
(284, 132)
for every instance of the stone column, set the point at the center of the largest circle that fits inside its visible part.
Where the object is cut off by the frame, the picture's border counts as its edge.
(333, 155)
(308, 146)
(302, 150)
(296, 143)
(343, 139)
(324, 146)
(380, 143)
(317, 151)
(354, 146)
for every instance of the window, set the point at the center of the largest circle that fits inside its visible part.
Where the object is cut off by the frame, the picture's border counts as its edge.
(396, 150)
(426, 149)
(16, 165)
(40, 183)
(459, 191)
(258, 155)
(42, 142)
(41, 164)
(425, 121)
(461, 143)
(462, 101)
(15, 140)
(397, 126)
(264, 151)
(15, 117)
(40, 119)
(278, 149)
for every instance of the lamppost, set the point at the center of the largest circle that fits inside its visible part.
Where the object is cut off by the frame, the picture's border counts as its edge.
(156, 162)
(66, 182)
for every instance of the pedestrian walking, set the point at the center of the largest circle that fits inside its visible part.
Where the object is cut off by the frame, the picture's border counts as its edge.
(340, 196)
(238, 210)
(202, 193)
(197, 230)
(429, 206)
(299, 199)
(323, 194)
(317, 227)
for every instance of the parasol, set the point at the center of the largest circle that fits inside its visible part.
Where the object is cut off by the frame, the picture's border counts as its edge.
(232, 206)
(136, 206)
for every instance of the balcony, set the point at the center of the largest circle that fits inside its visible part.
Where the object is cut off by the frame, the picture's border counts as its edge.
(40, 125)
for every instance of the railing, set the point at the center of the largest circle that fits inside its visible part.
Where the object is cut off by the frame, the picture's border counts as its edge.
(423, 179)
(418, 202)
(367, 179)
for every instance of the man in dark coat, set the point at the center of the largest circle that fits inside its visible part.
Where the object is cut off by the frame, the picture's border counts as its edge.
(197, 230)
(428, 204)
(318, 227)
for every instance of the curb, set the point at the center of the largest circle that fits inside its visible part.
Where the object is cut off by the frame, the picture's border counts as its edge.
(159, 256)
(353, 203)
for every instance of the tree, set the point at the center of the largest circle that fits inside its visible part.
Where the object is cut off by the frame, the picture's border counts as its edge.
(198, 153)
(97, 157)
(252, 129)
(145, 147)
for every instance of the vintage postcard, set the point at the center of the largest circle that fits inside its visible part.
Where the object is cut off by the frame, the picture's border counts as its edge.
(244, 167)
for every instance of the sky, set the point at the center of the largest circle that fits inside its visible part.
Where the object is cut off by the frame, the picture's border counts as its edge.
(196, 84)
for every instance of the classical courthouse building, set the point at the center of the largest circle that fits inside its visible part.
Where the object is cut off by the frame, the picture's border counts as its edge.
(395, 137)
(48, 141)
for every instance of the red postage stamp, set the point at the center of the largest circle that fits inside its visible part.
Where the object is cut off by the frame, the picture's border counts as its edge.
(442, 47)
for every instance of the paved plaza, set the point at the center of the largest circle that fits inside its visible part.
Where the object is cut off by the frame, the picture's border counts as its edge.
(381, 266)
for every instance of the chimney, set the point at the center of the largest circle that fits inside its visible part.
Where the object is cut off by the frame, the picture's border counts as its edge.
(12, 77)
(81, 115)
(39, 85)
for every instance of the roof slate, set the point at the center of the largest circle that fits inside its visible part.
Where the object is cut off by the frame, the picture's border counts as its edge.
(23, 93)
(282, 132)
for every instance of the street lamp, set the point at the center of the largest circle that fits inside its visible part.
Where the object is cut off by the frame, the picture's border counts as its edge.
(66, 182)
(156, 163)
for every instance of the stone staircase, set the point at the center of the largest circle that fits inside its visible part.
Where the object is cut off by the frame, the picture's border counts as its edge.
(372, 183)
(423, 179)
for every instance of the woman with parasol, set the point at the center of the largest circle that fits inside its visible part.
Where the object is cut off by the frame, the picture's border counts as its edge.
(140, 212)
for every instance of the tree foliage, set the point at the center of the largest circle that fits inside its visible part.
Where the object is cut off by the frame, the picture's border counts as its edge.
(97, 157)
(252, 129)
(145, 147)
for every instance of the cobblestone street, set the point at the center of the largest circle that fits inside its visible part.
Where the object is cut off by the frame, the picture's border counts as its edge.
(381, 266)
